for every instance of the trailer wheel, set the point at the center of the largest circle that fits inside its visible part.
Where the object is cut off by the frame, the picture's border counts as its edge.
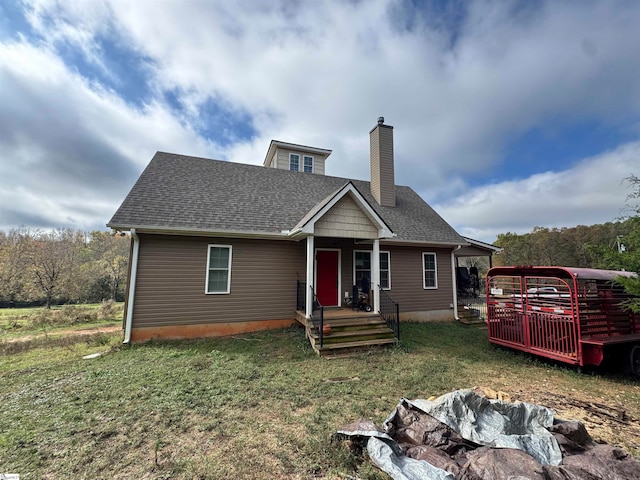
(634, 360)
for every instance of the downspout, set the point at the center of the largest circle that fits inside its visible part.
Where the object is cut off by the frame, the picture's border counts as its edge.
(132, 285)
(454, 282)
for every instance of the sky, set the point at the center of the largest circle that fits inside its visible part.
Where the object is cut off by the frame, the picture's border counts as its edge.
(507, 114)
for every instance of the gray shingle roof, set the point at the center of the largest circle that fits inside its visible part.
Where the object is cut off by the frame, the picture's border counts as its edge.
(177, 192)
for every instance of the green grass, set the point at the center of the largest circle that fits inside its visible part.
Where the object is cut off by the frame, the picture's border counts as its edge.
(21, 322)
(258, 406)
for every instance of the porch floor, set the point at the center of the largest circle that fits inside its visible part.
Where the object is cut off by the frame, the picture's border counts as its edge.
(350, 331)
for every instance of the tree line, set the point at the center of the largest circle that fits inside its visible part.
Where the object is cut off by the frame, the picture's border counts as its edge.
(62, 266)
(609, 246)
(73, 266)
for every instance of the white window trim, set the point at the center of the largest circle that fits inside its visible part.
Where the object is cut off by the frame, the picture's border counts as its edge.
(206, 284)
(299, 158)
(312, 163)
(370, 252)
(435, 271)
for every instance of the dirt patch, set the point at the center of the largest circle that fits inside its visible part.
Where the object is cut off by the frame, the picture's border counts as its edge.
(609, 422)
(60, 338)
(65, 333)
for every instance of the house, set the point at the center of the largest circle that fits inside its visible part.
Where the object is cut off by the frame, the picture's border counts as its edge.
(220, 248)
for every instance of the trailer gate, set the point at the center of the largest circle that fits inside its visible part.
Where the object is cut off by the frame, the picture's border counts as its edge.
(533, 313)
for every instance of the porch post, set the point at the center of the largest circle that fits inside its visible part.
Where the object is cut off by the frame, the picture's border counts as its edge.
(454, 281)
(375, 273)
(310, 261)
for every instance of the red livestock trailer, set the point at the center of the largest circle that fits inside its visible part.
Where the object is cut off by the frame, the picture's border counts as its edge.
(574, 315)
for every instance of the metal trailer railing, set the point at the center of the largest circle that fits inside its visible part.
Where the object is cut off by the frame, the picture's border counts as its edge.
(572, 315)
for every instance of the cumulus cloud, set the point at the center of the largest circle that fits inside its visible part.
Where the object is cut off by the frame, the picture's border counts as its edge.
(460, 83)
(591, 192)
(66, 144)
(318, 70)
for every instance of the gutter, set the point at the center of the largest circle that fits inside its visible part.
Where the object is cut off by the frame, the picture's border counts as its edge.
(454, 282)
(419, 243)
(132, 285)
(202, 232)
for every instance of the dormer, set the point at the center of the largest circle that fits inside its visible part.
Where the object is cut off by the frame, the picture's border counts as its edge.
(297, 158)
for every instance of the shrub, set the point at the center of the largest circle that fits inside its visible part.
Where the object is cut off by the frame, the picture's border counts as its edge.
(109, 309)
(67, 315)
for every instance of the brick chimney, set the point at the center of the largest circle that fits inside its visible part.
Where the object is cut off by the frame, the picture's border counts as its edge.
(383, 187)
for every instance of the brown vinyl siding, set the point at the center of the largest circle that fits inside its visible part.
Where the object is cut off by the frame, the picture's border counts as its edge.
(172, 270)
(407, 282)
(406, 274)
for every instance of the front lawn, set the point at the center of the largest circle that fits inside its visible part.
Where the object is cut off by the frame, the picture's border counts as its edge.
(258, 406)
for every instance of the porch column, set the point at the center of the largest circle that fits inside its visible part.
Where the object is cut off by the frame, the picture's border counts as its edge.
(310, 261)
(454, 281)
(375, 273)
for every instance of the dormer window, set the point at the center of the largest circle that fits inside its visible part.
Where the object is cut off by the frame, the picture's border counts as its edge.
(308, 164)
(294, 162)
(295, 157)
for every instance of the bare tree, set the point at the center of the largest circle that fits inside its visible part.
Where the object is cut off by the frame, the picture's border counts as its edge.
(13, 263)
(51, 260)
(110, 254)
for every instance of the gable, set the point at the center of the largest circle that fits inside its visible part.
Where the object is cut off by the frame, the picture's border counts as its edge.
(345, 220)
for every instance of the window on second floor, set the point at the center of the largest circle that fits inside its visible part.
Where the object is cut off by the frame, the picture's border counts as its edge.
(308, 164)
(294, 162)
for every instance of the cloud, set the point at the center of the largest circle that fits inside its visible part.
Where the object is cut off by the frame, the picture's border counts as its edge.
(322, 72)
(460, 82)
(591, 192)
(66, 143)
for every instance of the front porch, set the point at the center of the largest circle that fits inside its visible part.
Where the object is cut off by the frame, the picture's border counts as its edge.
(339, 331)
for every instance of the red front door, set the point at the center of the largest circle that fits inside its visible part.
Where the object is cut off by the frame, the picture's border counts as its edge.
(327, 277)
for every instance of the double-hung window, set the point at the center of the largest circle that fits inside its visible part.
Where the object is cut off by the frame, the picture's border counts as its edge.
(385, 271)
(218, 269)
(308, 164)
(429, 270)
(362, 267)
(294, 162)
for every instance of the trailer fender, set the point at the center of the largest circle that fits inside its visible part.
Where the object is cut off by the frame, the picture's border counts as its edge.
(592, 354)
